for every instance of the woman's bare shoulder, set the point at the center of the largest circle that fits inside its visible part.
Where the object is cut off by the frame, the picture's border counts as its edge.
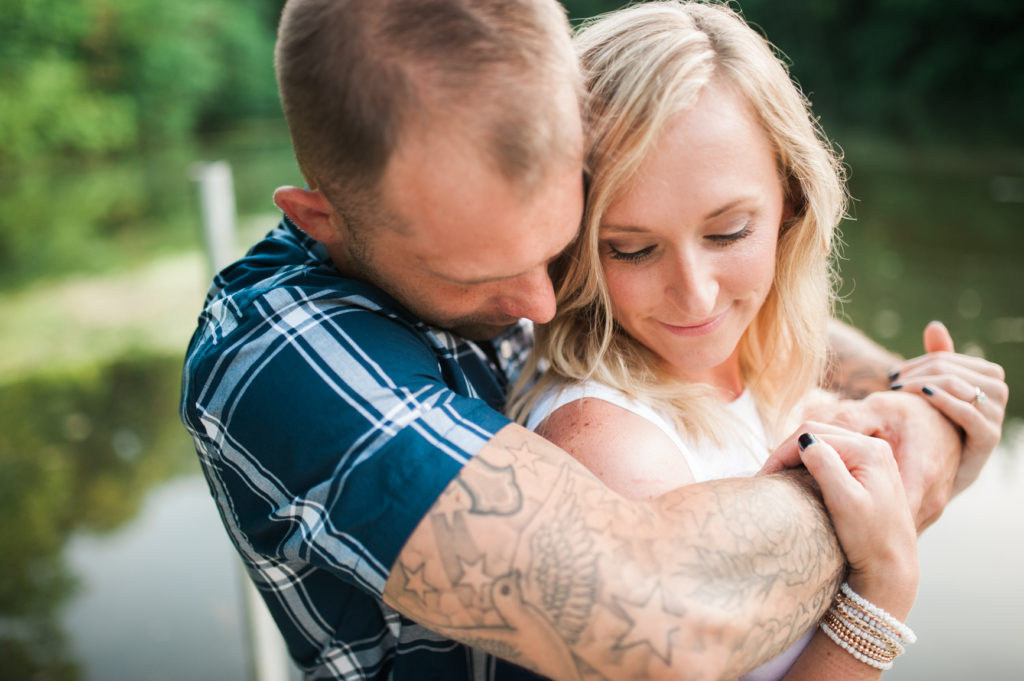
(628, 452)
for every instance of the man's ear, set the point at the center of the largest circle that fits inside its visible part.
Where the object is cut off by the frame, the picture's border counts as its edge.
(310, 210)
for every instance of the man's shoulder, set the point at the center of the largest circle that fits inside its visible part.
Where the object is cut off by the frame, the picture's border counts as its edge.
(286, 285)
(287, 268)
(283, 312)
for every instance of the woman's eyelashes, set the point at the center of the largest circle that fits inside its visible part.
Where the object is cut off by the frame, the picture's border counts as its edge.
(732, 237)
(630, 256)
(623, 254)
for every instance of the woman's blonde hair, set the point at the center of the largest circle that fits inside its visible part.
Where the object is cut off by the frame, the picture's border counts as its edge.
(643, 65)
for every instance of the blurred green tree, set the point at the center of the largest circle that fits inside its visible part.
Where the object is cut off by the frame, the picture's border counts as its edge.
(87, 77)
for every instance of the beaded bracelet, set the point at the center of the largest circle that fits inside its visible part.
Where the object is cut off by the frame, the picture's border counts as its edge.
(902, 631)
(867, 632)
(877, 636)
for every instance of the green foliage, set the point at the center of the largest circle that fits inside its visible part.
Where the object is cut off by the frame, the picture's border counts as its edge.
(51, 108)
(89, 77)
(581, 9)
(86, 77)
(910, 68)
(72, 217)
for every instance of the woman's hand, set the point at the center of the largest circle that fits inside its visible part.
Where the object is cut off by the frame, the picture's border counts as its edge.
(969, 391)
(861, 487)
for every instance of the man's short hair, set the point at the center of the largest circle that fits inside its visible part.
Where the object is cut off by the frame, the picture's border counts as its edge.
(356, 75)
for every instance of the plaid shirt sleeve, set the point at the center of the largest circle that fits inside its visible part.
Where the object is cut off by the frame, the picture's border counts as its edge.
(324, 424)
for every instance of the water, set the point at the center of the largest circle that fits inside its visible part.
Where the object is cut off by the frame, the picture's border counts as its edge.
(150, 599)
(967, 615)
(160, 597)
(115, 565)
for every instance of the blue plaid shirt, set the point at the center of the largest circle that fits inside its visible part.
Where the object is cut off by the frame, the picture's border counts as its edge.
(328, 420)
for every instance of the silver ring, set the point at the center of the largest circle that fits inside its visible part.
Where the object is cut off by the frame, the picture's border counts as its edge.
(979, 396)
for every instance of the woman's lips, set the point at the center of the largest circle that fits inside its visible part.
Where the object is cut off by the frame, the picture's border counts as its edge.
(699, 329)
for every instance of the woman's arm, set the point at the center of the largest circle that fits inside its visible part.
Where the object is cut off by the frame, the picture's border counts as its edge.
(633, 457)
(861, 487)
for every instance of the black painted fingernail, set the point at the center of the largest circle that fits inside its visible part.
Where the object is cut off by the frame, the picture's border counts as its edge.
(806, 440)
(895, 386)
(927, 391)
(893, 376)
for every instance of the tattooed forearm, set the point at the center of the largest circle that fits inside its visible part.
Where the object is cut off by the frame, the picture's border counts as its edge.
(529, 557)
(856, 366)
(804, 556)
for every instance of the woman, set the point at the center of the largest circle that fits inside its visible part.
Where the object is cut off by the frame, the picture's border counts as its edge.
(692, 310)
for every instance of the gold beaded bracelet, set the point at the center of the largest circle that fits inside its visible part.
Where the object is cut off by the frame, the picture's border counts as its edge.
(867, 632)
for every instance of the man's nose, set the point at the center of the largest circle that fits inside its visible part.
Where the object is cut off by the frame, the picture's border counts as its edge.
(531, 296)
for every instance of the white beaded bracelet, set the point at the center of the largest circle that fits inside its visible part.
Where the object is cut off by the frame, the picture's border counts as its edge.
(905, 634)
(865, 631)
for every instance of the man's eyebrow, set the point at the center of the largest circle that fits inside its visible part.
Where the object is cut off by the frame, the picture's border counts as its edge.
(483, 280)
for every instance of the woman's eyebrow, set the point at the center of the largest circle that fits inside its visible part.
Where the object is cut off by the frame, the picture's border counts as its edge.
(635, 229)
(727, 207)
(632, 229)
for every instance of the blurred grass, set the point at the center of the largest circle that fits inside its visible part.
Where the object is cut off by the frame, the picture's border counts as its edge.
(62, 324)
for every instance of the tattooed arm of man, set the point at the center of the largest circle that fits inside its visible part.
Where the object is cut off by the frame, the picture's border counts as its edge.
(528, 556)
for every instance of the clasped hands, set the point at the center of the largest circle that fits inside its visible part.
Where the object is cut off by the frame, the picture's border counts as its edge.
(940, 430)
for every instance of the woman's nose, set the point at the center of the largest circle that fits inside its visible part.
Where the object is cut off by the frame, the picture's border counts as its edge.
(694, 287)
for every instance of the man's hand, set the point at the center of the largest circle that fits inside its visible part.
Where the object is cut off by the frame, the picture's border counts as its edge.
(925, 444)
(937, 456)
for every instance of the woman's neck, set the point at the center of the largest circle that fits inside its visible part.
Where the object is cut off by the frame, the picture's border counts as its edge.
(726, 378)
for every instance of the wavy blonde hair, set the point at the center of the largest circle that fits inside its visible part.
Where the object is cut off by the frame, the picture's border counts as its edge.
(643, 65)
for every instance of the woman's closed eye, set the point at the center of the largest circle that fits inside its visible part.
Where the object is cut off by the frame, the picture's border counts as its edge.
(730, 238)
(630, 256)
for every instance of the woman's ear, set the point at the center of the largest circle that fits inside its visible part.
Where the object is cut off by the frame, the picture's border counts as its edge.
(310, 211)
(789, 216)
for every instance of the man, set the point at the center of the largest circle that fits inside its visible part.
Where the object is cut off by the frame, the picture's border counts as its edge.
(345, 383)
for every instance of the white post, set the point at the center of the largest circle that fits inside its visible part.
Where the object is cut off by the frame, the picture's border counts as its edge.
(267, 653)
(268, 656)
(217, 203)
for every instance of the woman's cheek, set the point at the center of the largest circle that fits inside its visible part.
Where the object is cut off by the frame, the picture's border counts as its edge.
(628, 287)
(754, 267)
